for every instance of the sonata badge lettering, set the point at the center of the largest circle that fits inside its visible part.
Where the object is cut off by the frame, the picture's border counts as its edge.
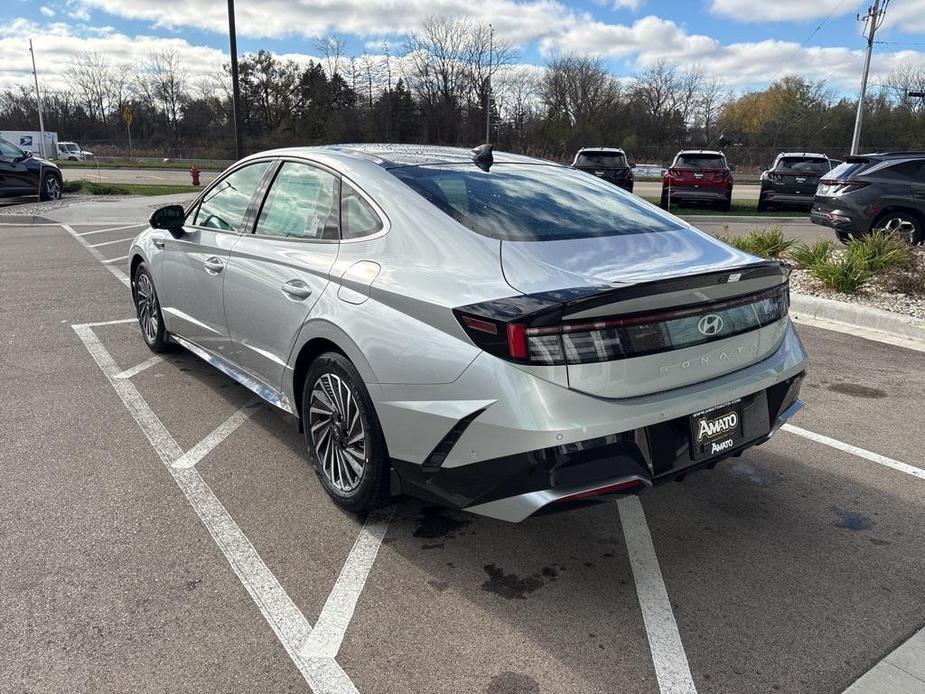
(707, 359)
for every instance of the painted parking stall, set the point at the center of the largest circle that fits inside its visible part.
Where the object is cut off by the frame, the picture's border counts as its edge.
(794, 568)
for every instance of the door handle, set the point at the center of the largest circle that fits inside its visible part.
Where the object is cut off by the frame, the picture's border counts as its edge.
(214, 265)
(297, 289)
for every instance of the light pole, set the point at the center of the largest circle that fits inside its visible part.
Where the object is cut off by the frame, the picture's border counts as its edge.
(491, 36)
(873, 18)
(38, 101)
(235, 89)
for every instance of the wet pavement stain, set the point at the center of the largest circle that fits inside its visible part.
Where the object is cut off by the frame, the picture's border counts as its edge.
(878, 541)
(857, 390)
(512, 683)
(439, 586)
(509, 586)
(749, 472)
(851, 520)
(435, 523)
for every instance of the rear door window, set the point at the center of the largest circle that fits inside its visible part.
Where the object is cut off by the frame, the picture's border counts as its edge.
(223, 207)
(907, 172)
(302, 204)
(846, 169)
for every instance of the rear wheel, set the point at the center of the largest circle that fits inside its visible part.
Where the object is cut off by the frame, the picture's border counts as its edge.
(762, 206)
(343, 434)
(907, 225)
(51, 187)
(726, 205)
(148, 310)
(663, 203)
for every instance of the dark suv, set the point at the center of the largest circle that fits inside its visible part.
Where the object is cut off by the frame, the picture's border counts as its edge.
(698, 175)
(608, 163)
(23, 175)
(792, 179)
(874, 191)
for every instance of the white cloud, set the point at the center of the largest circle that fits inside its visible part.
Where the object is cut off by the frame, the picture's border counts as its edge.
(47, 11)
(907, 16)
(780, 10)
(632, 5)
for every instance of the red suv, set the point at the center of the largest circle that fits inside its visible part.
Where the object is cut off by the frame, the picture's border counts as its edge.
(698, 175)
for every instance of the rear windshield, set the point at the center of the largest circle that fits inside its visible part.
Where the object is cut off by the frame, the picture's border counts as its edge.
(847, 169)
(532, 202)
(601, 159)
(803, 165)
(700, 161)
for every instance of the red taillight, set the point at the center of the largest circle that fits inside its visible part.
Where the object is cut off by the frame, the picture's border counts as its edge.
(517, 341)
(483, 326)
(609, 489)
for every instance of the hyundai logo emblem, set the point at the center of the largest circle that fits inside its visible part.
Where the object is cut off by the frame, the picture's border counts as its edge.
(710, 325)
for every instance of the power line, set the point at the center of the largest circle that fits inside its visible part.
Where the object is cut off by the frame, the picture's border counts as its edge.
(872, 21)
(787, 62)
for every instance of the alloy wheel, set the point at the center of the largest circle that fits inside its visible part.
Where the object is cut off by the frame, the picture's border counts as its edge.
(146, 305)
(337, 432)
(52, 188)
(903, 227)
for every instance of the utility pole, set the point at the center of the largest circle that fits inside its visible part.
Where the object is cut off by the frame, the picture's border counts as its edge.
(872, 20)
(38, 101)
(491, 36)
(235, 88)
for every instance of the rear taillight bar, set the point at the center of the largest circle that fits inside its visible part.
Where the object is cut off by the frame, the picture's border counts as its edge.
(544, 337)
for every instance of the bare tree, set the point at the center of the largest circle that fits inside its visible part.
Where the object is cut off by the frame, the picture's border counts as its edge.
(579, 87)
(163, 84)
(101, 86)
(907, 77)
(332, 48)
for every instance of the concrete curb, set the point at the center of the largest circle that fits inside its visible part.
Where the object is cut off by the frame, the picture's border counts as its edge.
(24, 219)
(857, 316)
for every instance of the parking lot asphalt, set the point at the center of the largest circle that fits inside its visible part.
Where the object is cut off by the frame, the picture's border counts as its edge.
(794, 568)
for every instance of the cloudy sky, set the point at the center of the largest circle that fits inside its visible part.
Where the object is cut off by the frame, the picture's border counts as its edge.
(747, 43)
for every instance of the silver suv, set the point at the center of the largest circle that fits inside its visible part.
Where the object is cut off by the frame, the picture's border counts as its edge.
(490, 331)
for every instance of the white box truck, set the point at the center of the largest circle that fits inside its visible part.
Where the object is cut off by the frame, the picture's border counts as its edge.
(31, 140)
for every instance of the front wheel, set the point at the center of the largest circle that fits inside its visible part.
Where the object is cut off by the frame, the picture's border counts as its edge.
(148, 310)
(343, 434)
(51, 187)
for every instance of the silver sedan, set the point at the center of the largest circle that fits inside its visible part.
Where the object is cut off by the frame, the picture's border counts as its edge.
(492, 332)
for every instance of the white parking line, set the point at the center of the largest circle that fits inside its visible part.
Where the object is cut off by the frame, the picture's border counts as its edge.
(854, 450)
(109, 243)
(328, 634)
(322, 673)
(138, 368)
(219, 434)
(117, 272)
(103, 231)
(115, 260)
(671, 668)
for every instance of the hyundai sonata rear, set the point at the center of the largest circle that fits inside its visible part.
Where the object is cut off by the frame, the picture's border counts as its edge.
(492, 332)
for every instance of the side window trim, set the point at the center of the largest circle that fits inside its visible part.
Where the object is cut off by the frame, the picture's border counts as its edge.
(249, 223)
(197, 203)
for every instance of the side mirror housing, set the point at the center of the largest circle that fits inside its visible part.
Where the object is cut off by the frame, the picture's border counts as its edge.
(632, 165)
(170, 218)
(732, 167)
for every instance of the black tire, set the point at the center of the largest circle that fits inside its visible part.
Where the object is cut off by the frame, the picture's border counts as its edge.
(725, 205)
(907, 224)
(148, 311)
(843, 237)
(663, 203)
(52, 188)
(328, 439)
(762, 206)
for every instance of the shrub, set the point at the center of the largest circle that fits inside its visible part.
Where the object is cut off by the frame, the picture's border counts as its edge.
(881, 250)
(807, 255)
(844, 273)
(767, 243)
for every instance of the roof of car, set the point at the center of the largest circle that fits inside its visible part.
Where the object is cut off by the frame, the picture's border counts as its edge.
(615, 150)
(394, 155)
(714, 152)
(889, 155)
(808, 155)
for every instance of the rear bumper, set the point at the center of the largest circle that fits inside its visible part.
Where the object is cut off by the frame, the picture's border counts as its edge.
(781, 198)
(545, 446)
(842, 220)
(698, 194)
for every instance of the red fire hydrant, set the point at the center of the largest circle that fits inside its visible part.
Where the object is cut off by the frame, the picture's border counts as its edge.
(194, 172)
